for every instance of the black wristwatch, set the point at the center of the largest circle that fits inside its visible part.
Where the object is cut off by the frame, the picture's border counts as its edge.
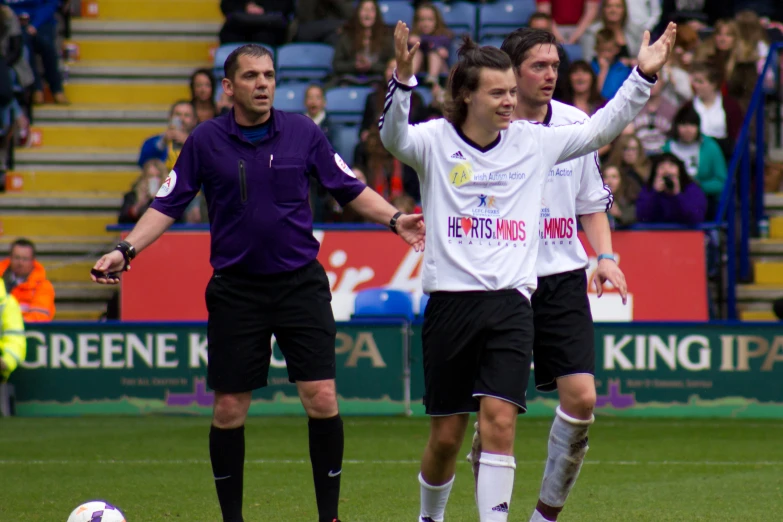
(393, 221)
(128, 251)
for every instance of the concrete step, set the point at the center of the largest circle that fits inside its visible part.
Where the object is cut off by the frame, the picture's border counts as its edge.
(82, 291)
(33, 158)
(191, 49)
(86, 246)
(758, 315)
(776, 227)
(82, 27)
(160, 10)
(95, 135)
(126, 93)
(102, 113)
(66, 181)
(135, 70)
(773, 201)
(73, 312)
(61, 201)
(769, 273)
(63, 224)
(759, 292)
(766, 247)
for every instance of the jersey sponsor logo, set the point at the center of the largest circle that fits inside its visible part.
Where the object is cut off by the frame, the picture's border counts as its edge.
(342, 165)
(487, 206)
(458, 155)
(462, 175)
(494, 231)
(168, 186)
(561, 173)
(557, 228)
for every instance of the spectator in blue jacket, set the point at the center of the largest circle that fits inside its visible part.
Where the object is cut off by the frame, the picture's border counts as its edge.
(39, 27)
(671, 195)
(607, 64)
(182, 120)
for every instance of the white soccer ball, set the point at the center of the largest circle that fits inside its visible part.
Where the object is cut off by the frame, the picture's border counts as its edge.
(96, 511)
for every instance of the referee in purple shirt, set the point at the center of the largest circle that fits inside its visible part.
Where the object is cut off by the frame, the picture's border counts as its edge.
(254, 165)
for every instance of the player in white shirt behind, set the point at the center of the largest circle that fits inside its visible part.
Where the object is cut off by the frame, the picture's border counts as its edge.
(563, 347)
(482, 179)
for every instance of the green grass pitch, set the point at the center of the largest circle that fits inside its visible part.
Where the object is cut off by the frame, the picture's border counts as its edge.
(157, 469)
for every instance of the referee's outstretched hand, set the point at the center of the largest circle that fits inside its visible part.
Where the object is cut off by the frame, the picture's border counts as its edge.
(411, 228)
(609, 271)
(108, 266)
(402, 54)
(652, 58)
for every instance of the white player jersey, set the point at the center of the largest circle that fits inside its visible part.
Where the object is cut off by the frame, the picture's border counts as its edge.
(572, 189)
(482, 204)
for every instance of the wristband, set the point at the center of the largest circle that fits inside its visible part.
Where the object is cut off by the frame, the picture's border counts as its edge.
(128, 252)
(607, 256)
(393, 221)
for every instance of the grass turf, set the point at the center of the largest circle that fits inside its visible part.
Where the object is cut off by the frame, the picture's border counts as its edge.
(157, 469)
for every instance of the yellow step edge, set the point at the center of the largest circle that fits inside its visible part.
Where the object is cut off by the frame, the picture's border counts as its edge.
(77, 315)
(160, 10)
(194, 51)
(93, 224)
(73, 181)
(776, 227)
(758, 315)
(769, 273)
(69, 272)
(126, 94)
(81, 136)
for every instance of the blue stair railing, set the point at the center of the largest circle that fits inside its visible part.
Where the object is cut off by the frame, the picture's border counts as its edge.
(733, 195)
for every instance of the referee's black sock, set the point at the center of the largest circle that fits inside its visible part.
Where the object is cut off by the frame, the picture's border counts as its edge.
(227, 451)
(326, 455)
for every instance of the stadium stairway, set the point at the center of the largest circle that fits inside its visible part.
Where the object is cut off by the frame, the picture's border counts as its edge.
(127, 62)
(755, 300)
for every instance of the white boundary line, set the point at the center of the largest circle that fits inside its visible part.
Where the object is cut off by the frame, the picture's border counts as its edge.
(147, 462)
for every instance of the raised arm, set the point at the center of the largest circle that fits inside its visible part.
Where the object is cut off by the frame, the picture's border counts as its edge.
(578, 139)
(404, 141)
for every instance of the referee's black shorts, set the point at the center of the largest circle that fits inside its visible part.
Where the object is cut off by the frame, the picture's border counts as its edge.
(564, 343)
(244, 312)
(476, 344)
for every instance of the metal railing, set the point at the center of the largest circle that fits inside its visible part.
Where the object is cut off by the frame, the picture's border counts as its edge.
(734, 196)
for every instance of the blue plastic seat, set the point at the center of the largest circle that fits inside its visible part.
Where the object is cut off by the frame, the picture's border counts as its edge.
(345, 140)
(304, 61)
(502, 18)
(395, 10)
(573, 51)
(376, 302)
(460, 17)
(290, 97)
(494, 41)
(345, 105)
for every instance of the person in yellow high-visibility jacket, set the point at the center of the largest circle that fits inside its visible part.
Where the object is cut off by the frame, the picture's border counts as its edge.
(13, 344)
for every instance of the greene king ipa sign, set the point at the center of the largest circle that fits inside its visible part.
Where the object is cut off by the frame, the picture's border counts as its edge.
(641, 370)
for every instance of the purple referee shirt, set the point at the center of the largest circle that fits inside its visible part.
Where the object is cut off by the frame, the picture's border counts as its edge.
(257, 195)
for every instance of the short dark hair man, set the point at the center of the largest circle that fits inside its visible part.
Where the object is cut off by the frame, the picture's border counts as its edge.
(254, 163)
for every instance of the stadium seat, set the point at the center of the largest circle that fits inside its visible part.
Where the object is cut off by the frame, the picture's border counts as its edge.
(573, 51)
(290, 97)
(460, 17)
(222, 52)
(423, 303)
(494, 41)
(425, 93)
(502, 18)
(344, 141)
(395, 10)
(383, 302)
(345, 105)
(304, 61)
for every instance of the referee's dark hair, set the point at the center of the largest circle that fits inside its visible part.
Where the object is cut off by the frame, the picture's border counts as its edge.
(252, 50)
(518, 43)
(464, 77)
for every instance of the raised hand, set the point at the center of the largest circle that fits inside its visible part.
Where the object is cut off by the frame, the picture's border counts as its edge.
(411, 228)
(403, 55)
(653, 57)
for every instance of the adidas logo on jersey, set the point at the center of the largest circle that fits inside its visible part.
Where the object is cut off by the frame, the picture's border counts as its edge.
(458, 155)
(502, 508)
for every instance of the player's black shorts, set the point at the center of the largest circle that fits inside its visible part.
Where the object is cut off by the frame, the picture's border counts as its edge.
(244, 312)
(564, 342)
(476, 344)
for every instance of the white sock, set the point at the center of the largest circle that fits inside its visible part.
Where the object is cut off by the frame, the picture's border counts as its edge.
(538, 517)
(433, 500)
(495, 485)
